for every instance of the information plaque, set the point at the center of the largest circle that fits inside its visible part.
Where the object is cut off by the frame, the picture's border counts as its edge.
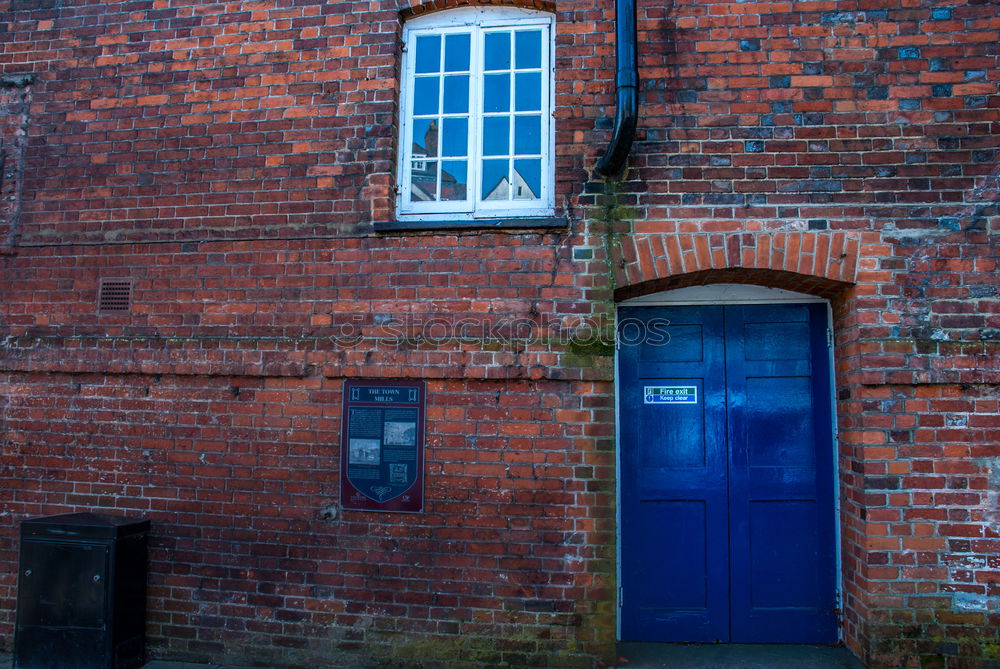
(382, 446)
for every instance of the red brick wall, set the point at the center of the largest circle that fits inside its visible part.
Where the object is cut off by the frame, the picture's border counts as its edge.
(230, 158)
(233, 473)
(220, 421)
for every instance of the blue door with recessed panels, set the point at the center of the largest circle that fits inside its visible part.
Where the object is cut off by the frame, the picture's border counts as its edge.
(727, 484)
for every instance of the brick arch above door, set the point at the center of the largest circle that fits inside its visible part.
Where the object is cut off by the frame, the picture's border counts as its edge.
(817, 263)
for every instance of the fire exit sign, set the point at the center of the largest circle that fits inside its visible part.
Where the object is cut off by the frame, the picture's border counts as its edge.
(670, 394)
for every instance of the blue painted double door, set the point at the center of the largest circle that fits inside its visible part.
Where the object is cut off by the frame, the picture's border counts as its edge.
(727, 485)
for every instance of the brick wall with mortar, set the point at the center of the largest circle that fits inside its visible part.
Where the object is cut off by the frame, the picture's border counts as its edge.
(230, 159)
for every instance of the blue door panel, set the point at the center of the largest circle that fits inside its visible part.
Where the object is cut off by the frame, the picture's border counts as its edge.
(783, 581)
(727, 500)
(662, 592)
(772, 548)
(676, 514)
(782, 427)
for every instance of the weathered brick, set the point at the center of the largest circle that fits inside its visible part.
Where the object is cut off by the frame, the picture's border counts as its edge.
(230, 159)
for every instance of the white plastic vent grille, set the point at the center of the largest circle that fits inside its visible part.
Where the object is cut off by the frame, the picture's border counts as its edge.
(115, 296)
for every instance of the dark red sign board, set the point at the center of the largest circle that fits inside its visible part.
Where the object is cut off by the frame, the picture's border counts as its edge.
(382, 446)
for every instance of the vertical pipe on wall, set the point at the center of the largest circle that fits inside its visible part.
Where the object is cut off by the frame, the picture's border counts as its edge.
(626, 90)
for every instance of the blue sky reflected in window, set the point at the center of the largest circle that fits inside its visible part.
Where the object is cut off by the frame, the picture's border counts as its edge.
(527, 49)
(457, 53)
(527, 135)
(456, 94)
(425, 96)
(528, 93)
(496, 93)
(497, 51)
(428, 54)
(496, 131)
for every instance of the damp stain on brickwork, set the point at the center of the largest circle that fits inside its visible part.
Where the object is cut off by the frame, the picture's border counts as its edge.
(496, 649)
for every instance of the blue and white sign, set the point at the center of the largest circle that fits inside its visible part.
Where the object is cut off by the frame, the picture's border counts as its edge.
(670, 394)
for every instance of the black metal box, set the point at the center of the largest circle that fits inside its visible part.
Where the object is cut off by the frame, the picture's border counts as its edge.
(81, 593)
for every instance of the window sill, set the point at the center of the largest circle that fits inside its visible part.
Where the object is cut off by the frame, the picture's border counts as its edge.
(509, 223)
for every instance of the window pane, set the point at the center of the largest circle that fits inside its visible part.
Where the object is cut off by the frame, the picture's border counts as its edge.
(527, 135)
(528, 49)
(496, 93)
(425, 96)
(527, 179)
(454, 179)
(456, 53)
(496, 185)
(497, 55)
(428, 53)
(496, 139)
(423, 180)
(455, 137)
(456, 94)
(425, 137)
(528, 96)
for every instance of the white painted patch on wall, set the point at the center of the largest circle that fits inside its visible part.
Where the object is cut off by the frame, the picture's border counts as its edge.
(993, 505)
(971, 601)
(721, 293)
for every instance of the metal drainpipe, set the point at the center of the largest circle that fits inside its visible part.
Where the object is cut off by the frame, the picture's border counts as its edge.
(626, 89)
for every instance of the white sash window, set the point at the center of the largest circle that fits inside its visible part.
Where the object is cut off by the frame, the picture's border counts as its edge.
(476, 93)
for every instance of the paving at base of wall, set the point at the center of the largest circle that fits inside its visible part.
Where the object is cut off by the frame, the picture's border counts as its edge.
(7, 662)
(733, 656)
(165, 664)
(661, 656)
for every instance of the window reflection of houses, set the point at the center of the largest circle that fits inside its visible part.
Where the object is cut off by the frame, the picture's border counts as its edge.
(423, 172)
(502, 189)
(423, 177)
(424, 168)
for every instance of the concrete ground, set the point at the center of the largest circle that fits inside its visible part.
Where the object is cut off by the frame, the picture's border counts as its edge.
(662, 656)
(164, 664)
(7, 661)
(733, 656)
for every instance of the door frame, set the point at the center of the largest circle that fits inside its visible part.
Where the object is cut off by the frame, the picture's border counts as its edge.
(721, 294)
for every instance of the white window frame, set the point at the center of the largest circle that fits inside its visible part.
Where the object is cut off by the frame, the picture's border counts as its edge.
(457, 21)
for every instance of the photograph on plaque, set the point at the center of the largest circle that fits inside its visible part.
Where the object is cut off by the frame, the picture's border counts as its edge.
(400, 434)
(364, 452)
(382, 447)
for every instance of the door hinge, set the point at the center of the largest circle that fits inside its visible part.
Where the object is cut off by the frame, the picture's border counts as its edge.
(829, 337)
(621, 595)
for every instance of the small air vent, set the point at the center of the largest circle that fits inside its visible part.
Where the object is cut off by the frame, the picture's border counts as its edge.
(115, 297)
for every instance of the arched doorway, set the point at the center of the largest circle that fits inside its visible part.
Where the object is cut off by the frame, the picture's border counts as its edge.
(726, 467)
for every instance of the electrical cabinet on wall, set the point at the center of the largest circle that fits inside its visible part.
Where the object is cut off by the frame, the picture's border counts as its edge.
(81, 596)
